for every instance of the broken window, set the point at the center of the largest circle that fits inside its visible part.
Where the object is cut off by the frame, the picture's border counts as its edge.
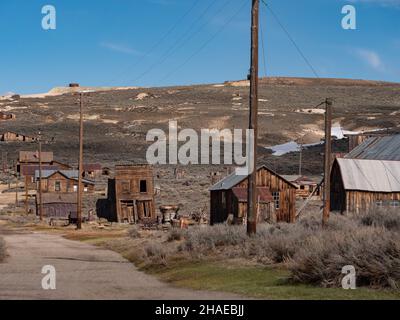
(57, 186)
(395, 203)
(143, 186)
(125, 186)
(277, 198)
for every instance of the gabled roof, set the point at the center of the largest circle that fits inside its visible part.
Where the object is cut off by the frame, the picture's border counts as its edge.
(370, 175)
(377, 148)
(33, 156)
(92, 167)
(233, 179)
(69, 174)
(300, 180)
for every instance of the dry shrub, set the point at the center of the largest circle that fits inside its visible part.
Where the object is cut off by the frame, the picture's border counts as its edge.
(156, 253)
(202, 239)
(374, 252)
(134, 233)
(388, 218)
(2, 250)
(176, 234)
(370, 242)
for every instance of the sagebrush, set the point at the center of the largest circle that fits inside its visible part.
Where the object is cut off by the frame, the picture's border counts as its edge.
(370, 242)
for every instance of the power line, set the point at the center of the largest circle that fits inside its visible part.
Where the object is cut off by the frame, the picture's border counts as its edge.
(187, 36)
(290, 38)
(205, 43)
(161, 40)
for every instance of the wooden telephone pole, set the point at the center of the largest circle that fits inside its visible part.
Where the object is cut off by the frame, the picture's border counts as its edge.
(327, 162)
(252, 185)
(40, 178)
(80, 169)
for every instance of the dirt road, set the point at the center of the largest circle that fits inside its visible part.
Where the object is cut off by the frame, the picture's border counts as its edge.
(82, 272)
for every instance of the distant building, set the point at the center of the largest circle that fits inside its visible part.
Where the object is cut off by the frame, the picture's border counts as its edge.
(6, 116)
(62, 181)
(28, 164)
(306, 186)
(10, 136)
(130, 195)
(360, 185)
(92, 170)
(58, 205)
(276, 198)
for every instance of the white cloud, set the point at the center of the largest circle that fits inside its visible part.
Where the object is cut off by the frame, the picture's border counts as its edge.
(371, 58)
(119, 48)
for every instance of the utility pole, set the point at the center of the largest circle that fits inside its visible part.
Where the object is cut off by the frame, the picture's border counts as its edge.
(301, 160)
(26, 195)
(327, 162)
(80, 169)
(16, 189)
(40, 177)
(252, 185)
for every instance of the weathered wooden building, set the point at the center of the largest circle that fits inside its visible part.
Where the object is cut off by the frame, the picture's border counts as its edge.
(358, 185)
(6, 116)
(92, 171)
(229, 197)
(28, 164)
(62, 181)
(58, 205)
(130, 195)
(10, 136)
(306, 186)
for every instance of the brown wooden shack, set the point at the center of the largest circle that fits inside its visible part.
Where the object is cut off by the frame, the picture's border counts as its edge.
(10, 136)
(92, 170)
(358, 185)
(306, 186)
(28, 164)
(58, 205)
(6, 116)
(130, 195)
(62, 181)
(272, 188)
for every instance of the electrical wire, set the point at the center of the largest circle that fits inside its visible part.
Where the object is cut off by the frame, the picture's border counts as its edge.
(184, 39)
(205, 44)
(161, 40)
(291, 38)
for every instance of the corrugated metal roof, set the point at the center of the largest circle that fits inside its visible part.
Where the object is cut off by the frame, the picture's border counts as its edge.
(232, 180)
(228, 182)
(378, 148)
(69, 174)
(370, 175)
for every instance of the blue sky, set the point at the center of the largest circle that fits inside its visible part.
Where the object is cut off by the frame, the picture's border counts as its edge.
(109, 42)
